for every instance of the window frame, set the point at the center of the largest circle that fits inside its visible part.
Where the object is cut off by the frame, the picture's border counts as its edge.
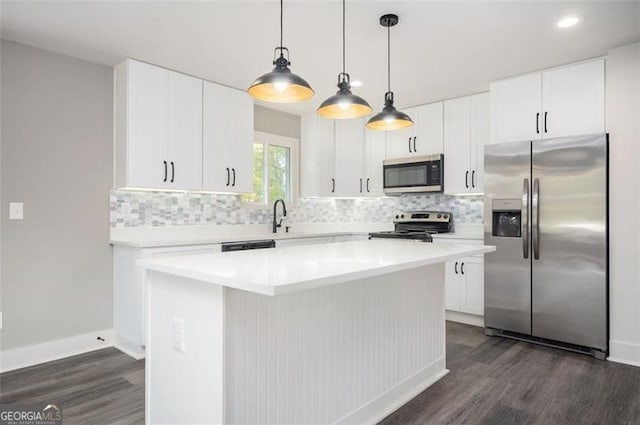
(267, 139)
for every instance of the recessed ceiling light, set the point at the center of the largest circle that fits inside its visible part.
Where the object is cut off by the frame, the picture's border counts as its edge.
(568, 21)
(356, 83)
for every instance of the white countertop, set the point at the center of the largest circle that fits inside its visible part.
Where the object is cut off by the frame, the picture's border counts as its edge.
(154, 237)
(284, 270)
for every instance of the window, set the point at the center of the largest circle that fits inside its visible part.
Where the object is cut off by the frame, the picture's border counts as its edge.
(275, 168)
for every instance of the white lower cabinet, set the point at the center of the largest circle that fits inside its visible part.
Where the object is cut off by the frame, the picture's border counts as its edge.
(130, 295)
(465, 285)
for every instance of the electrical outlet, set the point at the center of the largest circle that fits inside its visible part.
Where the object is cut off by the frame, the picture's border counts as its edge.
(16, 210)
(178, 335)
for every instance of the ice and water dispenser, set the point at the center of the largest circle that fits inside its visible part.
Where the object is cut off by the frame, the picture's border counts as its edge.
(506, 218)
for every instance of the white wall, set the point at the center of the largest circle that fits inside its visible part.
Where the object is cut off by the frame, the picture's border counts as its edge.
(623, 125)
(57, 144)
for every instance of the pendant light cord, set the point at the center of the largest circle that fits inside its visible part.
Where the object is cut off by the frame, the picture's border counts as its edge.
(389, 58)
(343, 36)
(281, 27)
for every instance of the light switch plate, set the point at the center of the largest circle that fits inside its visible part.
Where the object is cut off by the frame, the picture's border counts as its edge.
(178, 335)
(16, 210)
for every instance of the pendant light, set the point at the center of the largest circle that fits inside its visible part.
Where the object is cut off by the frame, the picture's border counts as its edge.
(281, 85)
(390, 118)
(344, 104)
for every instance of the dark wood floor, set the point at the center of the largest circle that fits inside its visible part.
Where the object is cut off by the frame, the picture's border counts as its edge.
(493, 381)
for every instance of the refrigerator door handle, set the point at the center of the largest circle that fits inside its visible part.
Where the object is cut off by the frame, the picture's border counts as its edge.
(525, 218)
(535, 212)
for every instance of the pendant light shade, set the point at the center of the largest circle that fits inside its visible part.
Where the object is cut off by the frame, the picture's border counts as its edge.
(390, 118)
(281, 85)
(344, 104)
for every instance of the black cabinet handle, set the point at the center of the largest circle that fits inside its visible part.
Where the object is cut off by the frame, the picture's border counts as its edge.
(538, 123)
(234, 177)
(456, 267)
(360, 185)
(466, 179)
(473, 178)
(228, 176)
(461, 268)
(333, 185)
(414, 144)
(165, 171)
(368, 184)
(409, 144)
(173, 172)
(545, 122)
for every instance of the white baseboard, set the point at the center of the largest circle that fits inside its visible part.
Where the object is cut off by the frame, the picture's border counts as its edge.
(53, 350)
(467, 319)
(128, 347)
(624, 352)
(390, 401)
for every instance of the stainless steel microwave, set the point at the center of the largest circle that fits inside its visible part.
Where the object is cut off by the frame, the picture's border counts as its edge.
(414, 174)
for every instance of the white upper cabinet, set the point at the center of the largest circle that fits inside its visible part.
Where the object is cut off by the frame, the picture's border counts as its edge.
(158, 128)
(349, 157)
(555, 103)
(457, 145)
(317, 157)
(340, 158)
(425, 137)
(174, 131)
(375, 151)
(466, 131)
(429, 132)
(480, 136)
(185, 131)
(573, 100)
(227, 157)
(515, 109)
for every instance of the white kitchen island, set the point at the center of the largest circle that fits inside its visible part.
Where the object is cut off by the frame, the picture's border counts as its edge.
(344, 332)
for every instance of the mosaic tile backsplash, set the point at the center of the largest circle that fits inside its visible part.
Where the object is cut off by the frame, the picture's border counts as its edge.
(148, 208)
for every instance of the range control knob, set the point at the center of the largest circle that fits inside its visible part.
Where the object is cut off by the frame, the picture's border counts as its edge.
(446, 216)
(402, 216)
(439, 215)
(397, 216)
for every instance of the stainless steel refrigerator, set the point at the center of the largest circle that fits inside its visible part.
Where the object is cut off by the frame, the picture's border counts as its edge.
(546, 212)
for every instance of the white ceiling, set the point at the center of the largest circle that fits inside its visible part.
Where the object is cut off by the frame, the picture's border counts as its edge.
(439, 50)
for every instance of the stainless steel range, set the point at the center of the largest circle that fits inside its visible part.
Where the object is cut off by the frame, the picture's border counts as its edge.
(417, 225)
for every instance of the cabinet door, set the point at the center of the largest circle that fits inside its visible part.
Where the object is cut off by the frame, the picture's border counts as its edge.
(472, 273)
(216, 158)
(479, 138)
(375, 148)
(516, 109)
(148, 133)
(429, 129)
(573, 100)
(185, 132)
(452, 285)
(349, 157)
(240, 141)
(326, 163)
(309, 155)
(400, 142)
(457, 137)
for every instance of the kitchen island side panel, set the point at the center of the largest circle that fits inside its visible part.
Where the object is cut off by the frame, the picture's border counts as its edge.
(343, 353)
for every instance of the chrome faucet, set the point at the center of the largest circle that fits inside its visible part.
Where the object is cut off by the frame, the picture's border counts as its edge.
(276, 223)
